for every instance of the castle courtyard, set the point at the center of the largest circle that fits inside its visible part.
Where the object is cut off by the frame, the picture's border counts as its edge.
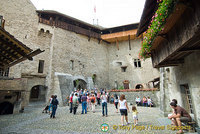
(33, 121)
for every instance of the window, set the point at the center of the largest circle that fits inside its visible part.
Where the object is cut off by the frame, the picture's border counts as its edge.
(123, 69)
(137, 62)
(4, 73)
(186, 98)
(41, 66)
(71, 64)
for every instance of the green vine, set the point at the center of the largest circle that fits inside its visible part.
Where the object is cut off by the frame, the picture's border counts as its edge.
(158, 21)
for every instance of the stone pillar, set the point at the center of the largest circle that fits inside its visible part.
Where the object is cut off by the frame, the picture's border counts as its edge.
(164, 91)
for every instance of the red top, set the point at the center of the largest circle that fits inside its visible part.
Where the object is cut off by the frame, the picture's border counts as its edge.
(71, 99)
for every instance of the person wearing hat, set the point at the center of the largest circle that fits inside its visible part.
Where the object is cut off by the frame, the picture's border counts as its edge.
(180, 115)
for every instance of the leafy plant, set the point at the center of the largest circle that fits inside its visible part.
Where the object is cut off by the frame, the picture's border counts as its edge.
(121, 87)
(158, 21)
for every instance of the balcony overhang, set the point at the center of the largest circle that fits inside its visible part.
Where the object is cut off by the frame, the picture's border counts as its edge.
(120, 36)
(12, 51)
(180, 37)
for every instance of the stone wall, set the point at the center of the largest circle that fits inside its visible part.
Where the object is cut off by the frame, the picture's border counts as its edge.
(61, 47)
(136, 75)
(187, 73)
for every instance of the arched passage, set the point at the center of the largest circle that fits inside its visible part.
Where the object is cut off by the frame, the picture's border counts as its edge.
(38, 93)
(80, 84)
(6, 108)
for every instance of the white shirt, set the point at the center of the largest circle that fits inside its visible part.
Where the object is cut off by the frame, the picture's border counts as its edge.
(104, 98)
(122, 104)
(137, 99)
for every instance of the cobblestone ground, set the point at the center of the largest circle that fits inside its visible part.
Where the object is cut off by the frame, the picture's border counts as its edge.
(33, 121)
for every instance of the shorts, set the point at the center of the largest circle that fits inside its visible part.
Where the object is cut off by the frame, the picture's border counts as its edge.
(123, 112)
(135, 117)
(185, 119)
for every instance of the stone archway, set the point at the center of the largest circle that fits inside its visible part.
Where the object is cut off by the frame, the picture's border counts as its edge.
(6, 108)
(80, 84)
(38, 93)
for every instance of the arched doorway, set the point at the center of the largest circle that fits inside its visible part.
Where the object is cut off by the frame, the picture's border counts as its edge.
(80, 84)
(6, 108)
(38, 93)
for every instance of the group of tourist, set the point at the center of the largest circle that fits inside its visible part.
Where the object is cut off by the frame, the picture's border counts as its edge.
(146, 101)
(90, 99)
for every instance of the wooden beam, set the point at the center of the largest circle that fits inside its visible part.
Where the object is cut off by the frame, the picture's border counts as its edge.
(189, 50)
(14, 47)
(119, 34)
(36, 52)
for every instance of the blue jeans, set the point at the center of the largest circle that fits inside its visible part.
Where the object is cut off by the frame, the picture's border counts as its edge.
(50, 107)
(84, 107)
(104, 105)
(145, 104)
(54, 111)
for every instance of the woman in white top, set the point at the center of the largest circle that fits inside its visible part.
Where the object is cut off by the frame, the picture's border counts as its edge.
(123, 109)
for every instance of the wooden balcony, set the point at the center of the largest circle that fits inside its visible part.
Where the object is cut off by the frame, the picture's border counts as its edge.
(179, 38)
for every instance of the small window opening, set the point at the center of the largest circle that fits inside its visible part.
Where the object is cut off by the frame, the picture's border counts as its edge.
(123, 69)
(4, 73)
(71, 64)
(41, 66)
(137, 63)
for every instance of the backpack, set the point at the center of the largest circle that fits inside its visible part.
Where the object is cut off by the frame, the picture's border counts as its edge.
(92, 100)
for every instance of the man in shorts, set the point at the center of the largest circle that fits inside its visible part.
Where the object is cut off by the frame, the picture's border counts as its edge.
(180, 115)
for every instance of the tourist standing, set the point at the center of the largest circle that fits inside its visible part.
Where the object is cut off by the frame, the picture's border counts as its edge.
(123, 109)
(98, 97)
(116, 101)
(54, 103)
(104, 104)
(75, 102)
(93, 100)
(71, 102)
(135, 115)
(84, 103)
(50, 105)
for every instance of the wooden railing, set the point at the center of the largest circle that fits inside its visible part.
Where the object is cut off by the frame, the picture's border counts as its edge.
(70, 27)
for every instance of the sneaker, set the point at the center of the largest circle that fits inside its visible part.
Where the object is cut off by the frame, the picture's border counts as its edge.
(127, 123)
